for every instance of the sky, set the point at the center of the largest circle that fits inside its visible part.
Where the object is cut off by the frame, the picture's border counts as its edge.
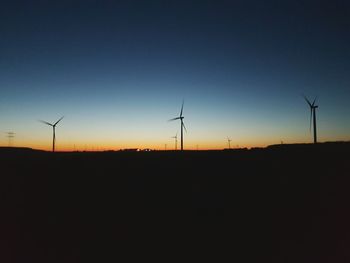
(119, 70)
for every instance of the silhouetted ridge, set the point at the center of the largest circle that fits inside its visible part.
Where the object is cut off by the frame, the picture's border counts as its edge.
(260, 202)
(18, 150)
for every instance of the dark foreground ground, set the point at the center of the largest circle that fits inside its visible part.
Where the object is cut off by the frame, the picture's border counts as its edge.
(280, 204)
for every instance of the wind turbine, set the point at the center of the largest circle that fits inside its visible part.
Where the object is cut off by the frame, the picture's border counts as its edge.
(313, 108)
(175, 137)
(229, 142)
(54, 131)
(182, 125)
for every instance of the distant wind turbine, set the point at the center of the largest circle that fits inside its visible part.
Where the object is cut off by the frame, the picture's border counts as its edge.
(175, 137)
(182, 125)
(54, 131)
(229, 142)
(313, 108)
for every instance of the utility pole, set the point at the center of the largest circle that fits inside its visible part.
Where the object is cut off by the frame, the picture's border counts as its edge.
(10, 136)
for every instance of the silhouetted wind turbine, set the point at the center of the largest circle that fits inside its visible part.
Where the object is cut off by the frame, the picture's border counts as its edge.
(313, 108)
(175, 137)
(54, 131)
(182, 125)
(229, 142)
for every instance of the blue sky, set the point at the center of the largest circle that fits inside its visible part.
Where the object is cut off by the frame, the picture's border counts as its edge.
(118, 70)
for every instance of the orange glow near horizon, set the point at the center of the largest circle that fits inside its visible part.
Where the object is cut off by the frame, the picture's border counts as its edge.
(66, 146)
(98, 146)
(83, 137)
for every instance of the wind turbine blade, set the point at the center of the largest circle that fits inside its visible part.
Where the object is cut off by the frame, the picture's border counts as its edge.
(58, 120)
(308, 102)
(313, 103)
(45, 122)
(177, 118)
(183, 125)
(182, 107)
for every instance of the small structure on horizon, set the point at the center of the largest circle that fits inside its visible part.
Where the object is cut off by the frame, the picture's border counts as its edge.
(175, 137)
(10, 136)
(229, 143)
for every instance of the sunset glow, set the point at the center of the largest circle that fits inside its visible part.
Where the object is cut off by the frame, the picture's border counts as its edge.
(118, 72)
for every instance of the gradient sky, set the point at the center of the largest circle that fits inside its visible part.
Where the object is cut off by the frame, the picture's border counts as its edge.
(118, 70)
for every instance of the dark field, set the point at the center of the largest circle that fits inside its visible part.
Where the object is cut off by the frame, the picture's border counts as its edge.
(287, 203)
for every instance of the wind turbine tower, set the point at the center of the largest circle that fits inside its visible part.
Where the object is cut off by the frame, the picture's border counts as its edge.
(229, 142)
(54, 131)
(175, 137)
(313, 108)
(181, 118)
